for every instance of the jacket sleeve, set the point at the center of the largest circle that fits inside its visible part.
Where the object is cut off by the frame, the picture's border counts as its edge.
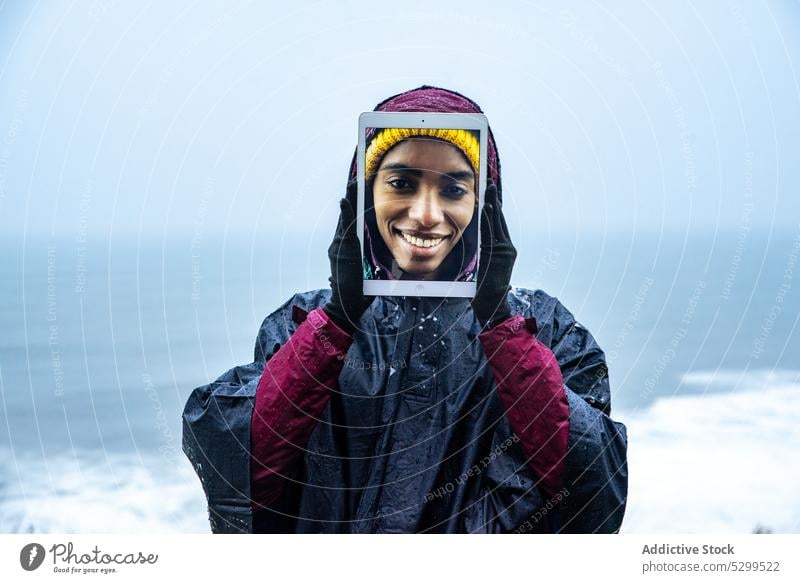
(216, 429)
(531, 388)
(294, 388)
(557, 401)
(596, 469)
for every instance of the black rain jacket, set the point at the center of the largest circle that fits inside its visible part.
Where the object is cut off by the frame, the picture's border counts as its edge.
(415, 439)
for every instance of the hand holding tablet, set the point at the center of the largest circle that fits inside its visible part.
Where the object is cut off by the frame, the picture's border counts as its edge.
(497, 258)
(348, 302)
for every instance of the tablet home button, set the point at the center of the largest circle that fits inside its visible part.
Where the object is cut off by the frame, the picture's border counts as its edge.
(420, 289)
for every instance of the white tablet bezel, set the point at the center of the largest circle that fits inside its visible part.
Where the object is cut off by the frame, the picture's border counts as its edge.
(383, 119)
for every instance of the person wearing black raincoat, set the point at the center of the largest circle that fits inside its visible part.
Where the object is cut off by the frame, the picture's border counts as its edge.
(414, 414)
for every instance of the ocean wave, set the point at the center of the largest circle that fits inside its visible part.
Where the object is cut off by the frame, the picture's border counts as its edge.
(743, 380)
(722, 462)
(92, 492)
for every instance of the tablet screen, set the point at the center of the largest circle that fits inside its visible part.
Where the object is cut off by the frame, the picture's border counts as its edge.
(421, 204)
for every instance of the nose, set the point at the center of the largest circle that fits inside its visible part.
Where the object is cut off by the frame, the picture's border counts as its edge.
(426, 208)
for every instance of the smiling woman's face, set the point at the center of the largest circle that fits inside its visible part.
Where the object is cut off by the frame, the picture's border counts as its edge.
(424, 196)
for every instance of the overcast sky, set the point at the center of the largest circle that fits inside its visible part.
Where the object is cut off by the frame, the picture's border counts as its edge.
(133, 117)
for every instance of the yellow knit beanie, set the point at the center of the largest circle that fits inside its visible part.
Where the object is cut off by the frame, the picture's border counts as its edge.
(464, 140)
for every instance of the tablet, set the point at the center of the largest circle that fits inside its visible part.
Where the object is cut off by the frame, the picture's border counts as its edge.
(421, 185)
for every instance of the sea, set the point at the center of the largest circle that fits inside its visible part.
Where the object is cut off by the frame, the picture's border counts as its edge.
(103, 337)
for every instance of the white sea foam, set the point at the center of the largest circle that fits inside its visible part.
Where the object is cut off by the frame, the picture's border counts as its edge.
(741, 380)
(96, 493)
(717, 462)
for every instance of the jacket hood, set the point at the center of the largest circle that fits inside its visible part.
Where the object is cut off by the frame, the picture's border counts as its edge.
(460, 264)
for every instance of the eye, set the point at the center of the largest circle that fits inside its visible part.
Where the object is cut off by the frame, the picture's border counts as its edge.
(454, 191)
(399, 184)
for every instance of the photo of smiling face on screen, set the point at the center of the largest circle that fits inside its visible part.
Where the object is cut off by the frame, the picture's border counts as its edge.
(421, 219)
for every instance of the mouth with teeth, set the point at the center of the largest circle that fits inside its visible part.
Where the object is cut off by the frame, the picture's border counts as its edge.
(421, 245)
